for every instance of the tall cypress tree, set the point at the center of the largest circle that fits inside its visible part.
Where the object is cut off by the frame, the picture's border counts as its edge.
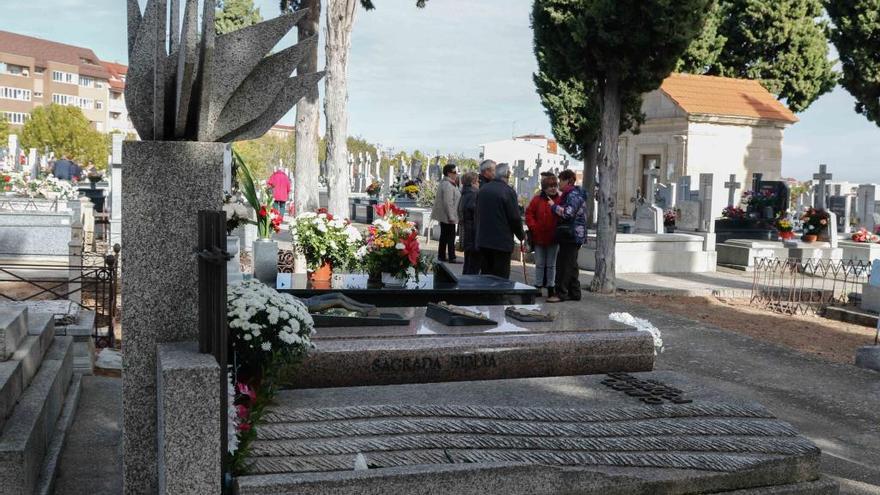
(781, 43)
(622, 48)
(856, 34)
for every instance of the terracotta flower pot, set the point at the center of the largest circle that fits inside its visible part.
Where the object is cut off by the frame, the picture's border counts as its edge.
(323, 274)
(808, 238)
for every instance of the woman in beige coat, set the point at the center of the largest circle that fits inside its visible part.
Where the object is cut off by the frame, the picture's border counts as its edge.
(445, 212)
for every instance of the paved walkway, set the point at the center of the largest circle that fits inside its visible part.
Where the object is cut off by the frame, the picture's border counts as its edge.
(91, 462)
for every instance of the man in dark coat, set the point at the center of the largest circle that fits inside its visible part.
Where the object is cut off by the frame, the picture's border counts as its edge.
(498, 220)
(65, 169)
(467, 209)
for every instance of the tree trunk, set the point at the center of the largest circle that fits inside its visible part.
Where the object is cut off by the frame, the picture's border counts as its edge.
(606, 228)
(340, 20)
(591, 150)
(305, 174)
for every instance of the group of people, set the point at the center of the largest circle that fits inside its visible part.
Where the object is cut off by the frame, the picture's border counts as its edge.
(486, 213)
(67, 169)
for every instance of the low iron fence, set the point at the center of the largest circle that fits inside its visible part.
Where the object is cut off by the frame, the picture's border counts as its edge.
(89, 280)
(795, 286)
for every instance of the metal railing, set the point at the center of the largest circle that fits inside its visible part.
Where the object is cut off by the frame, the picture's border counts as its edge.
(795, 286)
(92, 284)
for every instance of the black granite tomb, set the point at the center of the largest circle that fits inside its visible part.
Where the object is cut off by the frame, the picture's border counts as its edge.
(468, 290)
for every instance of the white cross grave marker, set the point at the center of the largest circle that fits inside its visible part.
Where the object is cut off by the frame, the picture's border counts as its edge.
(732, 185)
(822, 176)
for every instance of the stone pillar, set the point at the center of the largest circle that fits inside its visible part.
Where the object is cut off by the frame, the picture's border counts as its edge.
(165, 184)
(75, 261)
(116, 190)
(188, 411)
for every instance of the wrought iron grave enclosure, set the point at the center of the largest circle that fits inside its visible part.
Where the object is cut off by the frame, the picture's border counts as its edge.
(794, 286)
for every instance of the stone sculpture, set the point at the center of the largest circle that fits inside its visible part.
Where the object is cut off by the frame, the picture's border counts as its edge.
(208, 87)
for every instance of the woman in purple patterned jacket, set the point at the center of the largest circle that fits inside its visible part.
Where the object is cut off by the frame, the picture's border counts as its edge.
(571, 232)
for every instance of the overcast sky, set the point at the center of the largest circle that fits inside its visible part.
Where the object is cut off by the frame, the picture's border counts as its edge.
(454, 75)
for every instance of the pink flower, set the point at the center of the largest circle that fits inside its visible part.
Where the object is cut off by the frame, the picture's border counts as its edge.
(244, 389)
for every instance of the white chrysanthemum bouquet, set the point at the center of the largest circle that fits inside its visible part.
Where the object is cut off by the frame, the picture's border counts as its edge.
(266, 327)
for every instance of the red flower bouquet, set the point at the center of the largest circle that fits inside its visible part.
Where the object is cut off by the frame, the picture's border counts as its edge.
(392, 244)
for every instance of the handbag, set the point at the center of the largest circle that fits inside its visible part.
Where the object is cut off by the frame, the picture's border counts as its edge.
(565, 232)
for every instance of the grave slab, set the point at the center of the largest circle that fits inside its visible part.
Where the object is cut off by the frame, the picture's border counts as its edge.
(469, 289)
(576, 343)
(487, 437)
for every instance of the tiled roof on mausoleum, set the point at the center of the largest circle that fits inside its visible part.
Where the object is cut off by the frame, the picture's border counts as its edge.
(724, 96)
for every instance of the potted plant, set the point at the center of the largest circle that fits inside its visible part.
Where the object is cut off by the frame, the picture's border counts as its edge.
(269, 335)
(391, 249)
(374, 189)
(815, 224)
(268, 222)
(326, 243)
(762, 202)
(785, 228)
(733, 214)
(669, 220)
(411, 189)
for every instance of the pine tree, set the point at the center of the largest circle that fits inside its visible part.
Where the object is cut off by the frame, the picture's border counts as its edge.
(781, 43)
(233, 15)
(856, 34)
(622, 48)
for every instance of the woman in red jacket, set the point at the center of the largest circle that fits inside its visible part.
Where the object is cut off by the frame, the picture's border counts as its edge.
(542, 225)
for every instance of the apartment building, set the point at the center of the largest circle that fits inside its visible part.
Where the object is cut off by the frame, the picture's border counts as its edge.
(36, 72)
(117, 112)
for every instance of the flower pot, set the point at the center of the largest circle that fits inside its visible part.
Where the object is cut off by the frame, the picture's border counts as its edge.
(670, 229)
(809, 238)
(769, 213)
(785, 236)
(389, 280)
(266, 261)
(322, 274)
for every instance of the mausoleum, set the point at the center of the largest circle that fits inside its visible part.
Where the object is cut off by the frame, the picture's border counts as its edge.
(703, 125)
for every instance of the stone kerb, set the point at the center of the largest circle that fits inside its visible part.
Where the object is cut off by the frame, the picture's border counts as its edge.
(166, 184)
(188, 411)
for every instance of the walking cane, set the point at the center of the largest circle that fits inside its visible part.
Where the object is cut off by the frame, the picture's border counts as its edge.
(522, 261)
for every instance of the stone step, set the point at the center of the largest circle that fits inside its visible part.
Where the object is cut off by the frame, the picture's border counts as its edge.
(589, 435)
(41, 332)
(13, 328)
(29, 431)
(83, 333)
(16, 373)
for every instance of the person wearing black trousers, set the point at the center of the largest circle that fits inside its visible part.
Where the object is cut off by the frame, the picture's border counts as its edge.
(467, 207)
(498, 221)
(445, 212)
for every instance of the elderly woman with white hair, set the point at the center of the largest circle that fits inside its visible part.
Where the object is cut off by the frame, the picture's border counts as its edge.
(498, 221)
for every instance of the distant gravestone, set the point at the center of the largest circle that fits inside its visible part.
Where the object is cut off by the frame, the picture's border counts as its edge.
(821, 190)
(841, 206)
(434, 172)
(732, 185)
(707, 205)
(874, 281)
(689, 216)
(866, 206)
(388, 181)
(665, 195)
(415, 170)
(649, 219)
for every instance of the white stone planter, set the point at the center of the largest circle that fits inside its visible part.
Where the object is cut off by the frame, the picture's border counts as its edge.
(266, 261)
(860, 251)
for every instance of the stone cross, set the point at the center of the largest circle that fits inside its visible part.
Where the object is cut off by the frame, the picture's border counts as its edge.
(707, 207)
(538, 162)
(684, 188)
(822, 176)
(651, 174)
(756, 182)
(732, 185)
